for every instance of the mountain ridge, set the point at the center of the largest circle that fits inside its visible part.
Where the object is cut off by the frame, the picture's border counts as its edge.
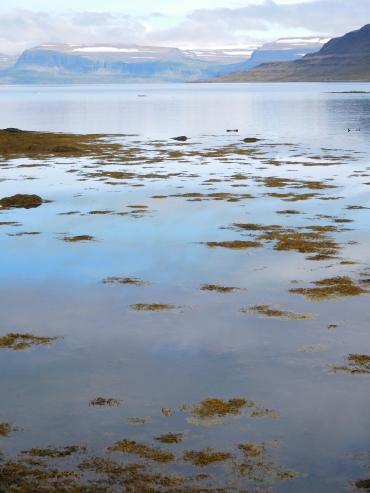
(342, 59)
(69, 63)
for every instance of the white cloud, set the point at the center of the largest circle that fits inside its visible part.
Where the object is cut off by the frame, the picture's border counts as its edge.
(251, 24)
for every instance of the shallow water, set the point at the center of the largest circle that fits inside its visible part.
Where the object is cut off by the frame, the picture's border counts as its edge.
(206, 347)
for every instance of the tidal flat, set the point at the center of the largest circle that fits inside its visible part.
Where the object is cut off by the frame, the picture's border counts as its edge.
(169, 325)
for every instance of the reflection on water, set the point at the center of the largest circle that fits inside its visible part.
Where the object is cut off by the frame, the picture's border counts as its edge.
(177, 320)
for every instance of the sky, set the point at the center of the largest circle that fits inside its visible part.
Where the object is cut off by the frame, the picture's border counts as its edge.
(191, 24)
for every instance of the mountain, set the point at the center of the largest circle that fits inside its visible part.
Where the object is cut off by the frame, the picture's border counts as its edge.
(7, 61)
(105, 63)
(71, 63)
(346, 58)
(284, 49)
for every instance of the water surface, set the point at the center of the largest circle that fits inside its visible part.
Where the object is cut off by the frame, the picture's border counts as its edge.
(205, 346)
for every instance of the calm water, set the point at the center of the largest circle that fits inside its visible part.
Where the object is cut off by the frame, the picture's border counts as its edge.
(206, 348)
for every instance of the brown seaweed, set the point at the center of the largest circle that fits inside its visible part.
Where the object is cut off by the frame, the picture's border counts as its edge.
(19, 342)
(134, 281)
(333, 288)
(6, 429)
(220, 289)
(101, 401)
(205, 457)
(142, 450)
(170, 438)
(357, 364)
(268, 311)
(21, 200)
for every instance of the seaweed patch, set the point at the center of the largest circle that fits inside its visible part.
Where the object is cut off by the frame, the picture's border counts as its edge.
(75, 239)
(357, 364)
(220, 289)
(170, 438)
(20, 200)
(131, 447)
(234, 244)
(268, 311)
(101, 401)
(333, 288)
(156, 307)
(134, 281)
(6, 429)
(19, 342)
(205, 457)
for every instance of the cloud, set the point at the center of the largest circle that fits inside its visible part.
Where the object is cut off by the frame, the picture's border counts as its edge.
(21, 29)
(334, 17)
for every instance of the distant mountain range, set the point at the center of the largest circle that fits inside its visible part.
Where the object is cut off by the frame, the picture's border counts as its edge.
(71, 63)
(341, 59)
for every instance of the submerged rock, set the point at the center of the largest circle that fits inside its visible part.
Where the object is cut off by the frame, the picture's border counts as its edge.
(21, 200)
(181, 138)
(251, 139)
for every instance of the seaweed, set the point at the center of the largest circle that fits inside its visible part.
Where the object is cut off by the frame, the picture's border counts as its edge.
(6, 429)
(153, 307)
(357, 364)
(220, 289)
(9, 223)
(167, 412)
(170, 438)
(101, 401)
(134, 281)
(288, 212)
(100, 212)
(342, 220)
(333, 288)
(131, 447)
(313, 241)
(47, 144)
(19, 342)
(56, 453)
(205, 457)
(21, 233)
(48, 470)
(75, 239)
(234, 245)
(363, 484)
(70, 213)
(229, 197)
(259, 467)
(219, 408)
(21, 200)
(268, 311)
(136, 421)
(293, 197)
(134, 478)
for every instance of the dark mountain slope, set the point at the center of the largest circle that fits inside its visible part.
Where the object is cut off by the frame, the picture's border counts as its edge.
(341, 59)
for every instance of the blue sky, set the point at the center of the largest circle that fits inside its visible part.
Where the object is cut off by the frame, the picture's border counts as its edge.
(194, 23)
